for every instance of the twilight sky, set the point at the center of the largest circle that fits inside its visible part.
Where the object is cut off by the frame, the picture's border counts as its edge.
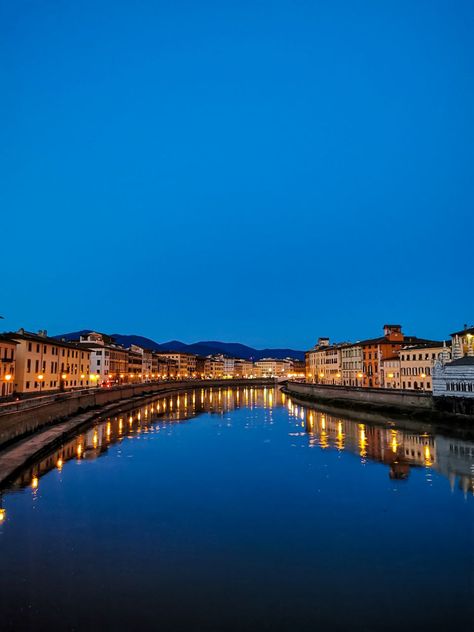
(264, 171)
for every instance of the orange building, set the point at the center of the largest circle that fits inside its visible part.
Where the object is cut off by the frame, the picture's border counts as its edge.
(376, 350)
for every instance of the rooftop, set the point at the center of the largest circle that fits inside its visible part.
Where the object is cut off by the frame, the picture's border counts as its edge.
(466, 361)
(463, 332)
(41, 338)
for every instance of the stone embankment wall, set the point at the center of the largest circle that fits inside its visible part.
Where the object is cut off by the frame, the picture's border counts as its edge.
(22, 418)
(371, 397)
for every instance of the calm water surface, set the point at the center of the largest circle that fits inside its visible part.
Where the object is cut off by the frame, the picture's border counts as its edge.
(241, 510)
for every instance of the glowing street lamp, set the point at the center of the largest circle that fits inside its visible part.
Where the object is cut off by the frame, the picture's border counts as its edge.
(40, 379)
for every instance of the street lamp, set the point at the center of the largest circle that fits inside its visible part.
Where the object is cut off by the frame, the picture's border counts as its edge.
(40, 379)
(8, 378)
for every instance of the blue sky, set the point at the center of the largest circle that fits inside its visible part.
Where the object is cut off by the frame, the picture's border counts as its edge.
(266, 172)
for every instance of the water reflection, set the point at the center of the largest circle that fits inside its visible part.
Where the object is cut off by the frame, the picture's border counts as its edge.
(397, 448)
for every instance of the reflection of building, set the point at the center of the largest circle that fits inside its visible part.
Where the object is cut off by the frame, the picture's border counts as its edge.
(7, 365)
(45, 364)
(455, 459)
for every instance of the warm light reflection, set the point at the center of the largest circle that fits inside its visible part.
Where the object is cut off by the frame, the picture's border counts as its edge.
(95, 439)
(394, 442)
(59, 463)
(34, 482)
(362, 441)
(3, 515)
(79, 451)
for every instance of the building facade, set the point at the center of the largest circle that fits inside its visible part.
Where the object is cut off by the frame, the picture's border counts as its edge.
(454, 379)
(417, 362)
(7, 365)
(352, 365)
(44, 364)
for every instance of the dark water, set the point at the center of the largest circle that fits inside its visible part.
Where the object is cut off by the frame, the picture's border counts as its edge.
(255, 514)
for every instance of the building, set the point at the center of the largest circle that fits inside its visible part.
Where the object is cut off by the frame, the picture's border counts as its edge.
(243, 368)
(417, 362)
(146, 369)
(314, 361)
(272, 367)
(134, 365)
(214, 367)
(352, 365)
(455, 378)
(462, 343)
(390, 372)
(108, 360)
(44, 364)
(298, 369)
(324, 363)
(163, 369)
(7, 365)
(185, 363)
(376, 350)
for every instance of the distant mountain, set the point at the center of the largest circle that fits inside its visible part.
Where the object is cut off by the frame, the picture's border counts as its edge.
(204, 348)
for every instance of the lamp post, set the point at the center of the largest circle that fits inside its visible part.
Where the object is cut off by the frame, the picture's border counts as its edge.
(8, 378)
(422, 380)
(40, 379)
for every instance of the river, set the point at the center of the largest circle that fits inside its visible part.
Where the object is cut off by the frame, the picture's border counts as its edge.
(238, 509)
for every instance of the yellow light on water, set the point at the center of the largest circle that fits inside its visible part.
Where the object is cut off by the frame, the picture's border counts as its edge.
(3, 515)
(79, 451)
(34, 482)
(59, 463)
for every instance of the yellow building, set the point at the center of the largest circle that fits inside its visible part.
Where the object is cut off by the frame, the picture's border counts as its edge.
(214, 368)
(7, 365)
(45, 364)
(272, 367)
(417, 362)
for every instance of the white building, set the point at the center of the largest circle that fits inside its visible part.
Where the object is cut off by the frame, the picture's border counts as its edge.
(454, 379)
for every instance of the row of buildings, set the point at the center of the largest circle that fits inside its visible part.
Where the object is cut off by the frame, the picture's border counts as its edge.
(33, 363)
(395, 360)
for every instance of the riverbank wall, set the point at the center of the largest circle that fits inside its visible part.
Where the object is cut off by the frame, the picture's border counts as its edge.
(415, 404)
(25, 417)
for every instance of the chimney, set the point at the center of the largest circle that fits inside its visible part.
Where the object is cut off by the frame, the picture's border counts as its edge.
(43, 333)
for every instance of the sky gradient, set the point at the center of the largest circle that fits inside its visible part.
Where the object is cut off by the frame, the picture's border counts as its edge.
(263, 172)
